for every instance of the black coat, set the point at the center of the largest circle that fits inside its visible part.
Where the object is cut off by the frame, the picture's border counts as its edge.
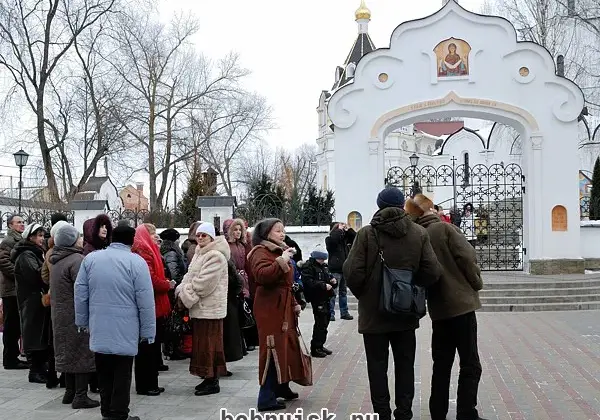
(232, 334)
(35, 318)
(174, 260)
(338, 245)
(293, 244)
(315, 278)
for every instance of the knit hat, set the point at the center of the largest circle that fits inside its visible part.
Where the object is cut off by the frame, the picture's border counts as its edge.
(66, 235)
(319, 253)
(57, 226)
(30, 229)
(262, 229)
(390, 197)
(207, 228)
(169, 235)
(123, 235)
(57, 217)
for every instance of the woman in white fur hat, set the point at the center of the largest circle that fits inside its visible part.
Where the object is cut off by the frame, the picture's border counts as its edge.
(204, 292)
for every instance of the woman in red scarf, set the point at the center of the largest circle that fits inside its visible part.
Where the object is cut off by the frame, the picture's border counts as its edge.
(146, 362)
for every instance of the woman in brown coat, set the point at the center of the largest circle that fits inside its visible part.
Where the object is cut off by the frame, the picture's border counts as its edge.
(276, 312)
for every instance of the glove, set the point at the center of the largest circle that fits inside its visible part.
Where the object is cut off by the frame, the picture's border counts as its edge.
(81, 330)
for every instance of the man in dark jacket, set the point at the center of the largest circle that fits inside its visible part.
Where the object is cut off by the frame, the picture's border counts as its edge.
(338, 245)
(405, 245)
(318, 285)
(12, 322)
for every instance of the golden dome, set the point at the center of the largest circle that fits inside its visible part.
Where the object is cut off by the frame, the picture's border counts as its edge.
(363, 11)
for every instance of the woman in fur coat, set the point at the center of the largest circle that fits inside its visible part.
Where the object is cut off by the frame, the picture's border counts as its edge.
(204, 292)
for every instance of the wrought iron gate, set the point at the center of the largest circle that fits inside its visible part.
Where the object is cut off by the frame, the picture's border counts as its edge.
(495, 194)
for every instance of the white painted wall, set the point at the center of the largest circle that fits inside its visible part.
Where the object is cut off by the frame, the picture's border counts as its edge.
(540, 105)
(590, 239)
(208, 214)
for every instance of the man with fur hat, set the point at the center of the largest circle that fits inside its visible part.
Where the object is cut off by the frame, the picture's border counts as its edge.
(403, 245)
(318, 288)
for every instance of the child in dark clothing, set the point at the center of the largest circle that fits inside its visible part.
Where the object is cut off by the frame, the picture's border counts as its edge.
(318, 289)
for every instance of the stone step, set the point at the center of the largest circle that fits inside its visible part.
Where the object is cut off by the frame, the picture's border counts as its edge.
(558, 291)
(542, 284)
(570, 306)
(525, 300)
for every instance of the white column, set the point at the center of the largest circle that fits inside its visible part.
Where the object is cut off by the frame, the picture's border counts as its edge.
(534, 200)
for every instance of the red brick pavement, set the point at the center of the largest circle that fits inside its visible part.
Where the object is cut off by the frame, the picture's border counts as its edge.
(542, 366)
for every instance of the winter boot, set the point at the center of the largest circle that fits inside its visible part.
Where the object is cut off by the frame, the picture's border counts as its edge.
(81, 399)
(208, 387)
(70, 388)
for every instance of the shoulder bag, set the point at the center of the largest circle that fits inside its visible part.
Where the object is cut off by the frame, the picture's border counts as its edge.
(399, 294)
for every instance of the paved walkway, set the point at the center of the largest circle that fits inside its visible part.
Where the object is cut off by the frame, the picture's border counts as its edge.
(537, 366)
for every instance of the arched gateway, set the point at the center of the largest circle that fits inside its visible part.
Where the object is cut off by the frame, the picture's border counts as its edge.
(457, 63)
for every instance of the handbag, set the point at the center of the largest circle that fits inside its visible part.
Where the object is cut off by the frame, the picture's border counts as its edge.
(399, 294)
(246, 318)
(307, 377)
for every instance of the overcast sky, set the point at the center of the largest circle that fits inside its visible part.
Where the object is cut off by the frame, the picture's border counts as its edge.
(291, 47)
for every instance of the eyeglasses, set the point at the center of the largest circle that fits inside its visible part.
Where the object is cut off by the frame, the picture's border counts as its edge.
(202, 235)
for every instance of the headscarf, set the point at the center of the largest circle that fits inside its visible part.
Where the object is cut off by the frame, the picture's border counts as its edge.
(143, 242)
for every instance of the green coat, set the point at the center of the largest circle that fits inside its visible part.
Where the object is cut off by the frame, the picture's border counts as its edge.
(457, 292)
(405, 245)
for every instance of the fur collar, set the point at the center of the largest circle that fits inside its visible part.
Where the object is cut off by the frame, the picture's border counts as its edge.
(219, 245)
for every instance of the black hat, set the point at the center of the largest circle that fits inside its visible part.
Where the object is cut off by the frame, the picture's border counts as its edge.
(390, 197)
(57, 217)
(123, 235)
(169, 235)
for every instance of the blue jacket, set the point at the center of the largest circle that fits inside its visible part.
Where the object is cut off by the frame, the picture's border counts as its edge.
(114, 299)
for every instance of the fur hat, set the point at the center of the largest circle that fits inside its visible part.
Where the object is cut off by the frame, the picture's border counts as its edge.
(124, 235)
(31, 229)
(208, 228)
(169, 235)
(390, 197)
(262, 230)
(57, 226)
(319, 253)
(66, 235)
(418, 205)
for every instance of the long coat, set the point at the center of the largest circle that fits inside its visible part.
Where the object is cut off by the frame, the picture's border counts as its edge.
(232, 335)
(274, 313)
(71, 348)
(28, 259)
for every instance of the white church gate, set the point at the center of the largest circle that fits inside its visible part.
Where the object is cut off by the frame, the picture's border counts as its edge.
(494, 192)
(455, 63)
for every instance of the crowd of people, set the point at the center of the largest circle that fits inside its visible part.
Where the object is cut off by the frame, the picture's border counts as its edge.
(110, 306)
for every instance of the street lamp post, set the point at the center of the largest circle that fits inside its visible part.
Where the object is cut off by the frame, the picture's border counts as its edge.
(20, 160)
(414, 162)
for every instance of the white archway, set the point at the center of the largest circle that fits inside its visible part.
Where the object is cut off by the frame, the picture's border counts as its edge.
(457, 63)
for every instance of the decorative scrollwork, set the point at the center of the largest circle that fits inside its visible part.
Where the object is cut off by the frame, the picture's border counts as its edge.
(41, 217)
(159, 218)
(494, 194)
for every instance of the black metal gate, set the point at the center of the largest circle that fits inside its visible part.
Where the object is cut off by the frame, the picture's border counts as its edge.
(495, 195)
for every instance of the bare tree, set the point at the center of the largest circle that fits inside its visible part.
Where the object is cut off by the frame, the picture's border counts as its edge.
(166, 84)
(37, 36)
(230, 129)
